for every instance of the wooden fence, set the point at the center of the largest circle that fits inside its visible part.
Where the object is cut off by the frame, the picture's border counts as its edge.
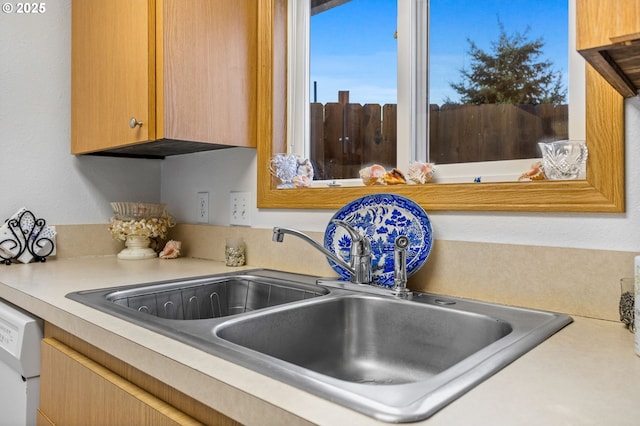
(346, 137)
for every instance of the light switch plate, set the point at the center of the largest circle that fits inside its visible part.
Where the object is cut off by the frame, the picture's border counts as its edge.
(240, 208)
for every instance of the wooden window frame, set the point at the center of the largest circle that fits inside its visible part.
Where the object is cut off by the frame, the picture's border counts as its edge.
(601, 191)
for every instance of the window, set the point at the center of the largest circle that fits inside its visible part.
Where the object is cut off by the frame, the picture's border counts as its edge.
(345, 157)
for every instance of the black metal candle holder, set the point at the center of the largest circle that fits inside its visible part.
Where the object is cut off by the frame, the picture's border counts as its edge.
(26, 232)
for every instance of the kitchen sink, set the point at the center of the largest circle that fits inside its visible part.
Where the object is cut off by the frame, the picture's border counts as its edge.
(367, 339)
(395, 359)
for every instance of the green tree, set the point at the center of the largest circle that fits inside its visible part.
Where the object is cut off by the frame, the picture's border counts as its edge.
(511, 73)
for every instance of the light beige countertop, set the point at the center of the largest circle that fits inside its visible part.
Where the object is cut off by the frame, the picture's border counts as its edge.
(587, 374)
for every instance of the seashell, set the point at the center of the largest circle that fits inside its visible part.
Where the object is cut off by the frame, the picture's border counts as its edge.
(171, 250)
(305, 169)
(421, 172)
(301, 181)
(394, 177)
(534, 173)
(373, 175)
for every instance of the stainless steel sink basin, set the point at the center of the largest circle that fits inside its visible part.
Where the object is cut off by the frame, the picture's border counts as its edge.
(398, 360)
(368, 339)
(210, 297)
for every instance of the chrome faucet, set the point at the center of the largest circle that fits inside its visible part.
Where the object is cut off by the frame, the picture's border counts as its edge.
(400, 266)
(360, 259)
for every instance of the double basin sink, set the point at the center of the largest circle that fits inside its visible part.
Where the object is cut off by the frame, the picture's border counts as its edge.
(397, 360)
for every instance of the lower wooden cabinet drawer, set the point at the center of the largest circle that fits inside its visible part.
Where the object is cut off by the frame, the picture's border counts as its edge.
(75, 390)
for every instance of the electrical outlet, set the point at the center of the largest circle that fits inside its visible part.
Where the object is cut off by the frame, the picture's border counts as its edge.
(203, 207)
(240, 208)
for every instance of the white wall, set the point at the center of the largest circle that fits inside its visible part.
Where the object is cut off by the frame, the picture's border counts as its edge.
(38, 172)
(36, 168)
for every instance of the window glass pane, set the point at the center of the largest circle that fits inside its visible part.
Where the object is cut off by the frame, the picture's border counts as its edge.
(498, 78)
(353, 79)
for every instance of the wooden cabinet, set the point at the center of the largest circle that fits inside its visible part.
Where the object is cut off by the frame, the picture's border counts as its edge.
(161, 77)
(43, 420)
(82, 385)
(608, 36)
(76, 390)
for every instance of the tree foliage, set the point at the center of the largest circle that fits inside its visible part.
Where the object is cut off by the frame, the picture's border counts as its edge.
(511, 73)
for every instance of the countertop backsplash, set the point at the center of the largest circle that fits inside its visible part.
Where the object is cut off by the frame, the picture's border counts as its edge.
(574, 281)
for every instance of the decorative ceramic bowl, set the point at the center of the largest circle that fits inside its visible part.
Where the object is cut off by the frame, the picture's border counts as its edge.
(126, 210)
(563, 160)
(136, 223)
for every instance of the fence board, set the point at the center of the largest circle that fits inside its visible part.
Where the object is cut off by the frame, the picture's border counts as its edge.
(371, 133)
(352, 140)
(333, 127)
(389, 136)
(316, 140)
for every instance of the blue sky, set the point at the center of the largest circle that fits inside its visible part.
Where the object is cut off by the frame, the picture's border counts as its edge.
(352, 46)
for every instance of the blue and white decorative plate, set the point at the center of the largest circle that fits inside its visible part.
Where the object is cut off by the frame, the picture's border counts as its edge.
(382, 218)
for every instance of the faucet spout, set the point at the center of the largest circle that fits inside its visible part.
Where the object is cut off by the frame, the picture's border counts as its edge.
(360, 254)
(360, 263)
(278, 236)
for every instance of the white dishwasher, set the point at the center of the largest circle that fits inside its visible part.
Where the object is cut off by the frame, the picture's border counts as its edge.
(20, 335)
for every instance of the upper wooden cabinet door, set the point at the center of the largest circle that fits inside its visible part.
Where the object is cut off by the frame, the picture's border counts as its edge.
(187, 70)
(210, 72)
(608, 36)
(110, 74)
(600, 21)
